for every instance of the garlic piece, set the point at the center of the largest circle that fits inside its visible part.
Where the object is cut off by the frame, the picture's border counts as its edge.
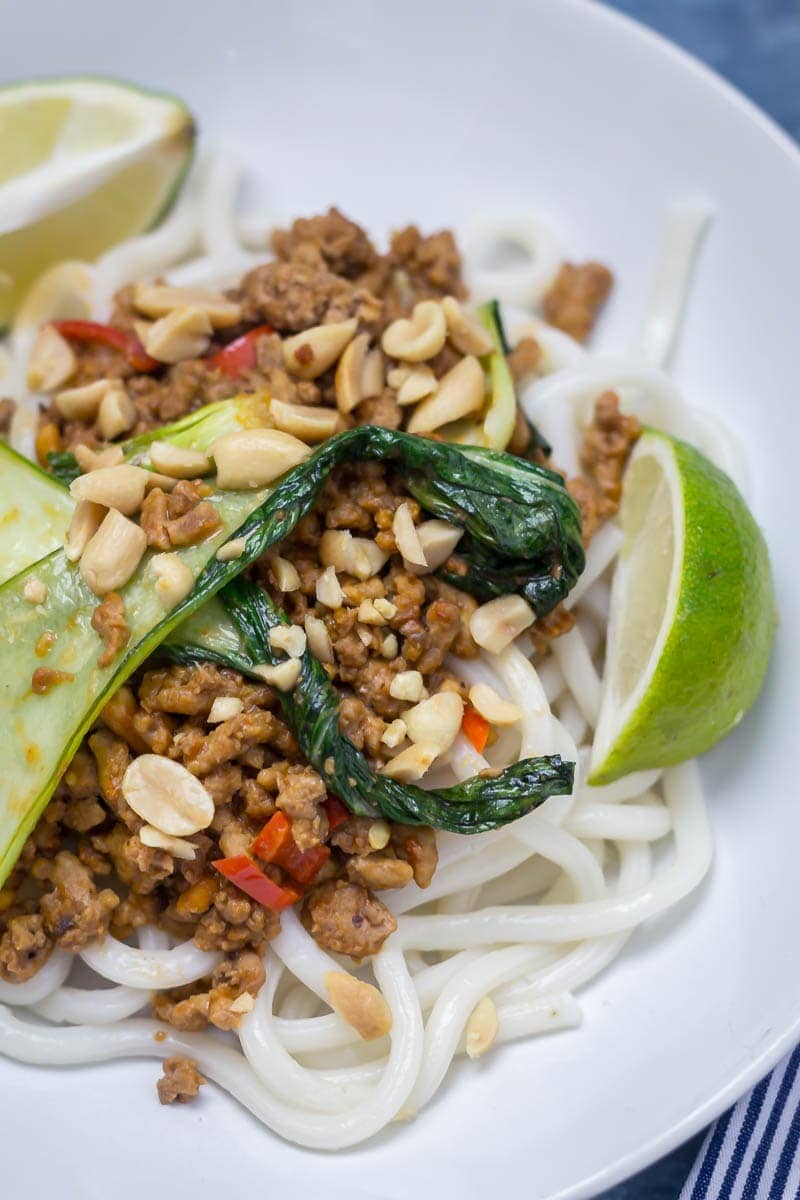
(164, 794)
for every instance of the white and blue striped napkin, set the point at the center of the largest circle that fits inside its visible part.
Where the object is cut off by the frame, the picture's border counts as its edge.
(751, 1153)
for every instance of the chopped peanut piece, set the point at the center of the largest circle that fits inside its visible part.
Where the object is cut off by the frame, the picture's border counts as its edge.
(284, 676)
(177, 847)
(223, 708)
(419, 337)
(359, 1003)
(482, 1028)
(494, 708)
(231, 550)
(178, 461)
(113, 553)
(164, 794)
(185, 333)
(289, 638)
(407, 685)
(51, 362)
(310, 353)
(34, 591)
(174, 580)
(255, 457)
(495, 624)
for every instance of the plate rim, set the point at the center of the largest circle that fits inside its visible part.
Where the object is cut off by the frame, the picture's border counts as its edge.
(743, 1080)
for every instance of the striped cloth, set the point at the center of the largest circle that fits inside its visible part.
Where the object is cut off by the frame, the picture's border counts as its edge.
(752, 1151)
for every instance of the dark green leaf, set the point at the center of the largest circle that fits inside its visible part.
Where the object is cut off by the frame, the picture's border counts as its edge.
(311, 710)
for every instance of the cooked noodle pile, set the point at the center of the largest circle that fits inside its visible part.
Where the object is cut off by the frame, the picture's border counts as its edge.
(525, 915)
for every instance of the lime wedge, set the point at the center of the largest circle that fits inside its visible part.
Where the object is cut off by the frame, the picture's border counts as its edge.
(692, 613)
(84, 163)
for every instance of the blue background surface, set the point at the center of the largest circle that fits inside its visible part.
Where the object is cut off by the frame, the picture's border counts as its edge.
(756, 45)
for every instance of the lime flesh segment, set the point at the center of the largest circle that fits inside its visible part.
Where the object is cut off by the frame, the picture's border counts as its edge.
(692, 613)
(83, 164)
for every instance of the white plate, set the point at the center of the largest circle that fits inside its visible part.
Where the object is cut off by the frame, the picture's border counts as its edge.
(429, 111)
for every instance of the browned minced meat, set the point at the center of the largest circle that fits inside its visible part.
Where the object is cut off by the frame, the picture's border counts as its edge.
(301, 794)
(237, 976)
(181, 517)
(180, 1081)
(431, 265)
(24, 947)
(296, 295)
(108, 619)
(379, 871)
(74, 912)
(44, 679)
(554, 624)
(576, 296)
(604, 453)
(344, 246)
(7, 410)
(606, 446)
(85, 869)
(525, 358)
(326, 269)
(345, 918)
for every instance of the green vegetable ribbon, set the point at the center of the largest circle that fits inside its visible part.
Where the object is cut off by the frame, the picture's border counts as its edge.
(522, 527)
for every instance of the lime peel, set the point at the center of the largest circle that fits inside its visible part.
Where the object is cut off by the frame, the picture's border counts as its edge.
(84, 163)
(692, 613)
